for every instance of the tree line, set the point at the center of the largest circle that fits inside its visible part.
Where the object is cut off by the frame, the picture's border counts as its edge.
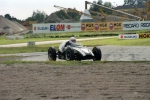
(41, 15)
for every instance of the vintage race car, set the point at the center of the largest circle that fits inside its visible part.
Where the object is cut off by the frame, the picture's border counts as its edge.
(76, 52)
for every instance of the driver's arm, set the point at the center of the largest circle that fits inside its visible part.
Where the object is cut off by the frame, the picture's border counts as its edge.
(67, 44)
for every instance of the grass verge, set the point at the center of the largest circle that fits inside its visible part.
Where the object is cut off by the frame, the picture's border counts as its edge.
(99, 42)
(62, 36)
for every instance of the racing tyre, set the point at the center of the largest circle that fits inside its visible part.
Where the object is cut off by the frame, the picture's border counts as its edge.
(97, 53)
(52, 53)
(79, 57)
(69, 55)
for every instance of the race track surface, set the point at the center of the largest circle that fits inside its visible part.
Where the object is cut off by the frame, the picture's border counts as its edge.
(109, 53)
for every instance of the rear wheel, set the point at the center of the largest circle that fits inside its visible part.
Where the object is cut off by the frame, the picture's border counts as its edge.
(97, 53)
(59, 54)
(52, 53)
(69, 54)
(79, 57)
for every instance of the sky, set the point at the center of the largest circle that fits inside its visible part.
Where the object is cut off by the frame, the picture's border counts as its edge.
(22, 9)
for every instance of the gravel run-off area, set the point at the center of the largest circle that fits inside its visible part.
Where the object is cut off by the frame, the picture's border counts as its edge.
(79, 81)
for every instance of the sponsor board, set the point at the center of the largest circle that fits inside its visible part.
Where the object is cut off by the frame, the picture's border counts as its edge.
(144, 35)
(136, 25)
(41, 28)
(88, 27)
(128, 36)
(31, 43)
(115, 26)
(96, 26)
(109, 26)
(56, 27)
(72, 27)
(103, 26)
(14, 37)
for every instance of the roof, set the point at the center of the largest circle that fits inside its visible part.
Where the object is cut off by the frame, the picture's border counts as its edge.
(129, 6)
(52, 18)
(67, 21)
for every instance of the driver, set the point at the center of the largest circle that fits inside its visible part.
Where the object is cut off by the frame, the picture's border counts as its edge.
(71, 42)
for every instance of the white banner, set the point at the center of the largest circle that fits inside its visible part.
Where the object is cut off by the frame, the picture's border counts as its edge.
(14, 37)
(136, 25)
(128, 36)
(56, 27)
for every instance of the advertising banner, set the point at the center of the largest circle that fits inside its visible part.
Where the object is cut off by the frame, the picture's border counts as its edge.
(87, 27)
(90, 26)
(101, 26)
(14, 37)
(56, 27)
(115, 26)
(136, 25)
(144, 35)
(128, 36)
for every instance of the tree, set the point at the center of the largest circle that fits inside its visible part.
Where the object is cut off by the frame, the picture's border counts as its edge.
(8, 16)
(133, 2)
(94, 7)
(12, 18)
(100, 2)
(108, 4)
(97, 8)
(63, 16)
(37, 15)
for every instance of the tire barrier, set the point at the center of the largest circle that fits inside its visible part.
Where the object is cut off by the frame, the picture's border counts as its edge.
(144, 35)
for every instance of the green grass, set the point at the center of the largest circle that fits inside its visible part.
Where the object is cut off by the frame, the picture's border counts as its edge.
(38, 37)
(44, 48)
(116, 41)
(46, 37)
(3, 40)
(40, 48)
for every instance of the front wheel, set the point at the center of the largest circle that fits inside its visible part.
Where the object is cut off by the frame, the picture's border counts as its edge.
(97, 53)
(52, 53)
(69, 54)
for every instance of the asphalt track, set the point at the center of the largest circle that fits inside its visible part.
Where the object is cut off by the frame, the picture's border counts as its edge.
(109, 53)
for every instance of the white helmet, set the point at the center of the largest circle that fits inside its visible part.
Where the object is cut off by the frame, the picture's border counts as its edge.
(72, 40)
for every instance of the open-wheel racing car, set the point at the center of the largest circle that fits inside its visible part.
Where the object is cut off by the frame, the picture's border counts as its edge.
(75, 52)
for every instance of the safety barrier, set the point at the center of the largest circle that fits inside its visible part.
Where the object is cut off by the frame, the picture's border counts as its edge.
(90, 27)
